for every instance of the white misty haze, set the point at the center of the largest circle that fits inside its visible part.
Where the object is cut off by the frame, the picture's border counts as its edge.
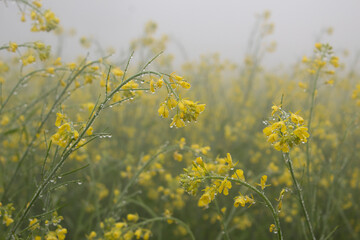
(201, 27)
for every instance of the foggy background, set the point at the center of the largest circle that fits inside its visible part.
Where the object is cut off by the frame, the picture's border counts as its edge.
(200, 27)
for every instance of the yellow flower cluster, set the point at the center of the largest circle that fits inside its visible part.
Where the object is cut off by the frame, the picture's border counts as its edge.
(131, 87)
(323, 62)
(222, 166)
(323, 55)
(42, 20)
(42, 50)
(57, 234)
(177, 80)
(187, 110)
(156, 84)
(5, 213)
(35, 48)
(34, 224)
(285, 130)
(66, 132)
(12, 46)
(243, 200)
(121, 230)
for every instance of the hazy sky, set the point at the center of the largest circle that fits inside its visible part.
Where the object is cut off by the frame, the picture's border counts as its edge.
(201, 26)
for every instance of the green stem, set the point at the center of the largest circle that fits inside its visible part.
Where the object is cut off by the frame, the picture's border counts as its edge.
(71, 148)
(312, 105)
(21, 80)
(58, 100)
(299, 192)
(260, 194)
(346, 222)
(226, 233)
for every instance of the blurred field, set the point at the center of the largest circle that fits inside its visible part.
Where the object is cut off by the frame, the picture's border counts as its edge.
(96, 148)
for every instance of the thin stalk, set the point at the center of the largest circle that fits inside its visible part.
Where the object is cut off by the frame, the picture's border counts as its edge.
(260, 194)
(312, 105)
(143, 205)
(58, 100)
(346, 222)
(226, 233)
(21, 80)
(151, 60)
(127, 66)
(300, 195)
(336, 182)
(227, 222)
(69, 149)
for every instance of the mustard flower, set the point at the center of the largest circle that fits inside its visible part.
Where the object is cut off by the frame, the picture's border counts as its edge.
(204, 200)
(13, 46)
(240, 200)
(285, 130)
(132, 217)
(224, 187)
(272, 228)
(239, 174)
(263, 182)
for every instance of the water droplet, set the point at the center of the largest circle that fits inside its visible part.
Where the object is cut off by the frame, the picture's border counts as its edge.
(79, 183)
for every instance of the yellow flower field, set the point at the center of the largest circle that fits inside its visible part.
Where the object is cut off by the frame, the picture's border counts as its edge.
(109, 148)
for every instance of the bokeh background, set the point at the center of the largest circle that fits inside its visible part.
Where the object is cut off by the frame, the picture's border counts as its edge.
(197, 27)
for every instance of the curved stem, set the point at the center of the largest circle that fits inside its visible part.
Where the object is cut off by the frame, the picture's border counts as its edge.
(299, 192)
(70, 149)
(260, 194)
